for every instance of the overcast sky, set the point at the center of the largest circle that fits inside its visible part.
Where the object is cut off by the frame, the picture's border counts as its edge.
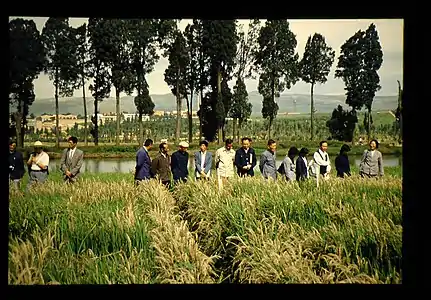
(336, 32)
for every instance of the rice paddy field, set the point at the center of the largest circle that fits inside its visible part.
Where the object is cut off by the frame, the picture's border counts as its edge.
(104, 230)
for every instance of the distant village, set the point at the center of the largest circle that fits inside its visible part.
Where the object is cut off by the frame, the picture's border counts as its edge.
(46, 122)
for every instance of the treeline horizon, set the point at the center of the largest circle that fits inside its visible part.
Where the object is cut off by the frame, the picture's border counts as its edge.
(118, 54)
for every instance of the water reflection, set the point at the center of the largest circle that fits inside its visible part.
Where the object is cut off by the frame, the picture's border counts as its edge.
(126, 165)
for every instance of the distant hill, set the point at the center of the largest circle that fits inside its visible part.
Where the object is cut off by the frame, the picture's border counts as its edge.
(287, 103)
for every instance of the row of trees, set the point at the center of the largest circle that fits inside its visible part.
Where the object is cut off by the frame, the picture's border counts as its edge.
(283, 129)
(117, 53)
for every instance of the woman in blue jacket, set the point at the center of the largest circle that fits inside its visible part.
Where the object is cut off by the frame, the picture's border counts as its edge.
(342, 164)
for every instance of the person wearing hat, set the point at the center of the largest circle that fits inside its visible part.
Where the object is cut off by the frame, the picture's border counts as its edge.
(71, 161)
(179, 163)
(38, 164)
(16, 165)
(342, 164)
(224, 160)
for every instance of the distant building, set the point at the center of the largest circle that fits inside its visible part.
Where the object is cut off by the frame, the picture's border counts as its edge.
(159, 113)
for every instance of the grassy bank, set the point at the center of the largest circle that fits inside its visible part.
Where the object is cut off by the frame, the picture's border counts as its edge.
(129, 151)
(104, 230)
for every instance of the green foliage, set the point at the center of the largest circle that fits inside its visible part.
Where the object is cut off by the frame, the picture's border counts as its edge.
(179, 60)
(315, 66)
(26, 61)
(98, 66)
(219, 41)
(61, 55)
(276, 62)
(144, 104)
(361, 57)
(317, 60)
(342, 124)
(26, 53)
(241, 108)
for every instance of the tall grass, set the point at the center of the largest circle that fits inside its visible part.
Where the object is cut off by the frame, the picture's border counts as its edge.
(104, 230)
(344, 231)
(100, 232)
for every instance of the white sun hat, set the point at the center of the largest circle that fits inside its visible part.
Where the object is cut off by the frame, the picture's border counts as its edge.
(184, 144)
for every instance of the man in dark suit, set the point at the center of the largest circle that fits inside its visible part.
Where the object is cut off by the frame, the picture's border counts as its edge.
(143, 162)
(179, 163)
(16, 165)
(160, 166)
(71, 161)
(203, 162)
(245, 158)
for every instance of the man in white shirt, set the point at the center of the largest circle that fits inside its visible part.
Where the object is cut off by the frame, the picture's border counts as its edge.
(321, 163)
(224, 160)
(38, 163)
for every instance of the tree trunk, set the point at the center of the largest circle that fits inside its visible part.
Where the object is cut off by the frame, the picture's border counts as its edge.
(23, 128)
(200, 118)
(269, 127)
(220, 129)
(85, 113)
(178, 127)
(400, 124)
(117, 109)
(368, 123)
(400, 138)
(18, 127)
(141, 131)
(96, 125)
(57, 127)
(189, 115)
(273, 99)
(238, 130)
(312, 113)
(234, 128)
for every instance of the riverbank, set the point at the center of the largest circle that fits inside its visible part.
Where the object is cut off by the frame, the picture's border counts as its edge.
(129, 150)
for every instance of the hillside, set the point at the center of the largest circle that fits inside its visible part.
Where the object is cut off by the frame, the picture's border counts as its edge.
(287, 103)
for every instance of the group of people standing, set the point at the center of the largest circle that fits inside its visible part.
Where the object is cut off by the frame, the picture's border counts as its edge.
(38, 163)
(295, 165)
(242, 162)
(228, 162)
(226, 159)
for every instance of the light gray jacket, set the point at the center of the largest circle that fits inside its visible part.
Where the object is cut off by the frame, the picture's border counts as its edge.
(289, 168)
(73, 165)
(371, 164)
(267, 165)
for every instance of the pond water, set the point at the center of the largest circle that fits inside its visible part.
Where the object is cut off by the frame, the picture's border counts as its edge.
(126, 165)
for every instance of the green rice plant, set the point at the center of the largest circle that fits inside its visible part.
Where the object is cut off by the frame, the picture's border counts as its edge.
(101, 230)
(357, 222)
